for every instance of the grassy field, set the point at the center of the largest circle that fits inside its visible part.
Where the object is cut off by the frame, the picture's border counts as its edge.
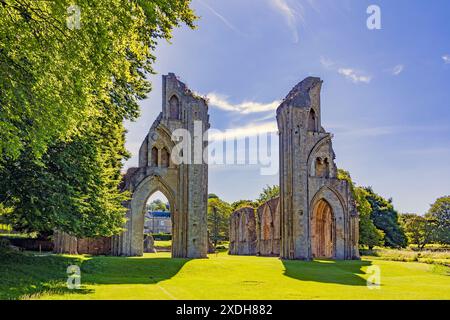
(407, 255)
(156, 276)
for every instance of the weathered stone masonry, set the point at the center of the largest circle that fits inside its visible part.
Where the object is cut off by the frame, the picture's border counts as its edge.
(315, 215)
(318, 214)
(268, 231)
(184, 185)
(243, 232)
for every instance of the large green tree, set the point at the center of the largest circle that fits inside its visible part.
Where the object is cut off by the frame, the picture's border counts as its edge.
(55, 74)
(419, 230)
(219, 213)
(385, 218)
(369, 235)
(440, 213)
(65, 91)
(73, 187)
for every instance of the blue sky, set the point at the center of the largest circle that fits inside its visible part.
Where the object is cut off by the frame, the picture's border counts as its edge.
(385, 97)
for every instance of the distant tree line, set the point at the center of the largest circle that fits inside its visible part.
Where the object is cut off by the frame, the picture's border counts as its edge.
(379, 223)
(382, 225)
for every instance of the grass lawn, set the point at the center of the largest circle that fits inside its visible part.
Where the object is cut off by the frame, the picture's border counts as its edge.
(156, 276)
(163, 243)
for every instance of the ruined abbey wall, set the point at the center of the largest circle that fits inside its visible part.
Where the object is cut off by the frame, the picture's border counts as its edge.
(318, 214)
(256, 232)
(315, 215)
(243, 232)
(268, 231)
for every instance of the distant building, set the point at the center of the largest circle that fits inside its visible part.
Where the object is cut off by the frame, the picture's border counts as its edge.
(158, 222)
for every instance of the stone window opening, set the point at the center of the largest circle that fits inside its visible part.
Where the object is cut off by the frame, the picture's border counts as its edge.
(312, 121)
(174, 108)
(165, 158)
(322, 168)
(154, 157)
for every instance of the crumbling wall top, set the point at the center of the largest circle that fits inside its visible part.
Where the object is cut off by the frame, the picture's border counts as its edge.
(304, 94)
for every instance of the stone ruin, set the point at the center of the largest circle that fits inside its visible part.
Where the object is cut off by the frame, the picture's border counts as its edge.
(315, 215)
(256, 233)
(243, 232)
(185, 185)
(64, 243)
(268, 231)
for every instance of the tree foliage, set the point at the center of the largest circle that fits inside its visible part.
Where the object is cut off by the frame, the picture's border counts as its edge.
(74, 186)
(440, 212)
(244, 203)
(53, 77)
(385, 218)
(268, 193)
(219, 213)
(64, 94)
(369, 235)
(419, 230)
(157, 205)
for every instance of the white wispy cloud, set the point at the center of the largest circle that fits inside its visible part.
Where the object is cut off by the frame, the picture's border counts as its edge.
(246, 107)
(446, 58)
(291, 15)
(250, 130)
(326, 62)
(397, 69)
(354, 75)
(349, 73)
(221, 17)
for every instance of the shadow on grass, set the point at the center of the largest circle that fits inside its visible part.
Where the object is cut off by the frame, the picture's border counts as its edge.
(129, 270)
(24, 275)
(327, 271)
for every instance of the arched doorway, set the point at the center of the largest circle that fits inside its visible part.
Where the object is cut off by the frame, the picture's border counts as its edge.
(322, 228)
(158, 221)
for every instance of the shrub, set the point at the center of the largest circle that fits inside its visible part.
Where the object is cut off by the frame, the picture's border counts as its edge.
(162, 236)
(4, 244)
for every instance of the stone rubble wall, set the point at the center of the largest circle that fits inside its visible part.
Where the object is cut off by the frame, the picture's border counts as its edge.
(269, 227)
(243, 232)
(256, 234)
(67, 244)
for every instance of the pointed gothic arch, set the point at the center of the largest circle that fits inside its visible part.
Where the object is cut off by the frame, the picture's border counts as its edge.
(174, 108)
(322, 230)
